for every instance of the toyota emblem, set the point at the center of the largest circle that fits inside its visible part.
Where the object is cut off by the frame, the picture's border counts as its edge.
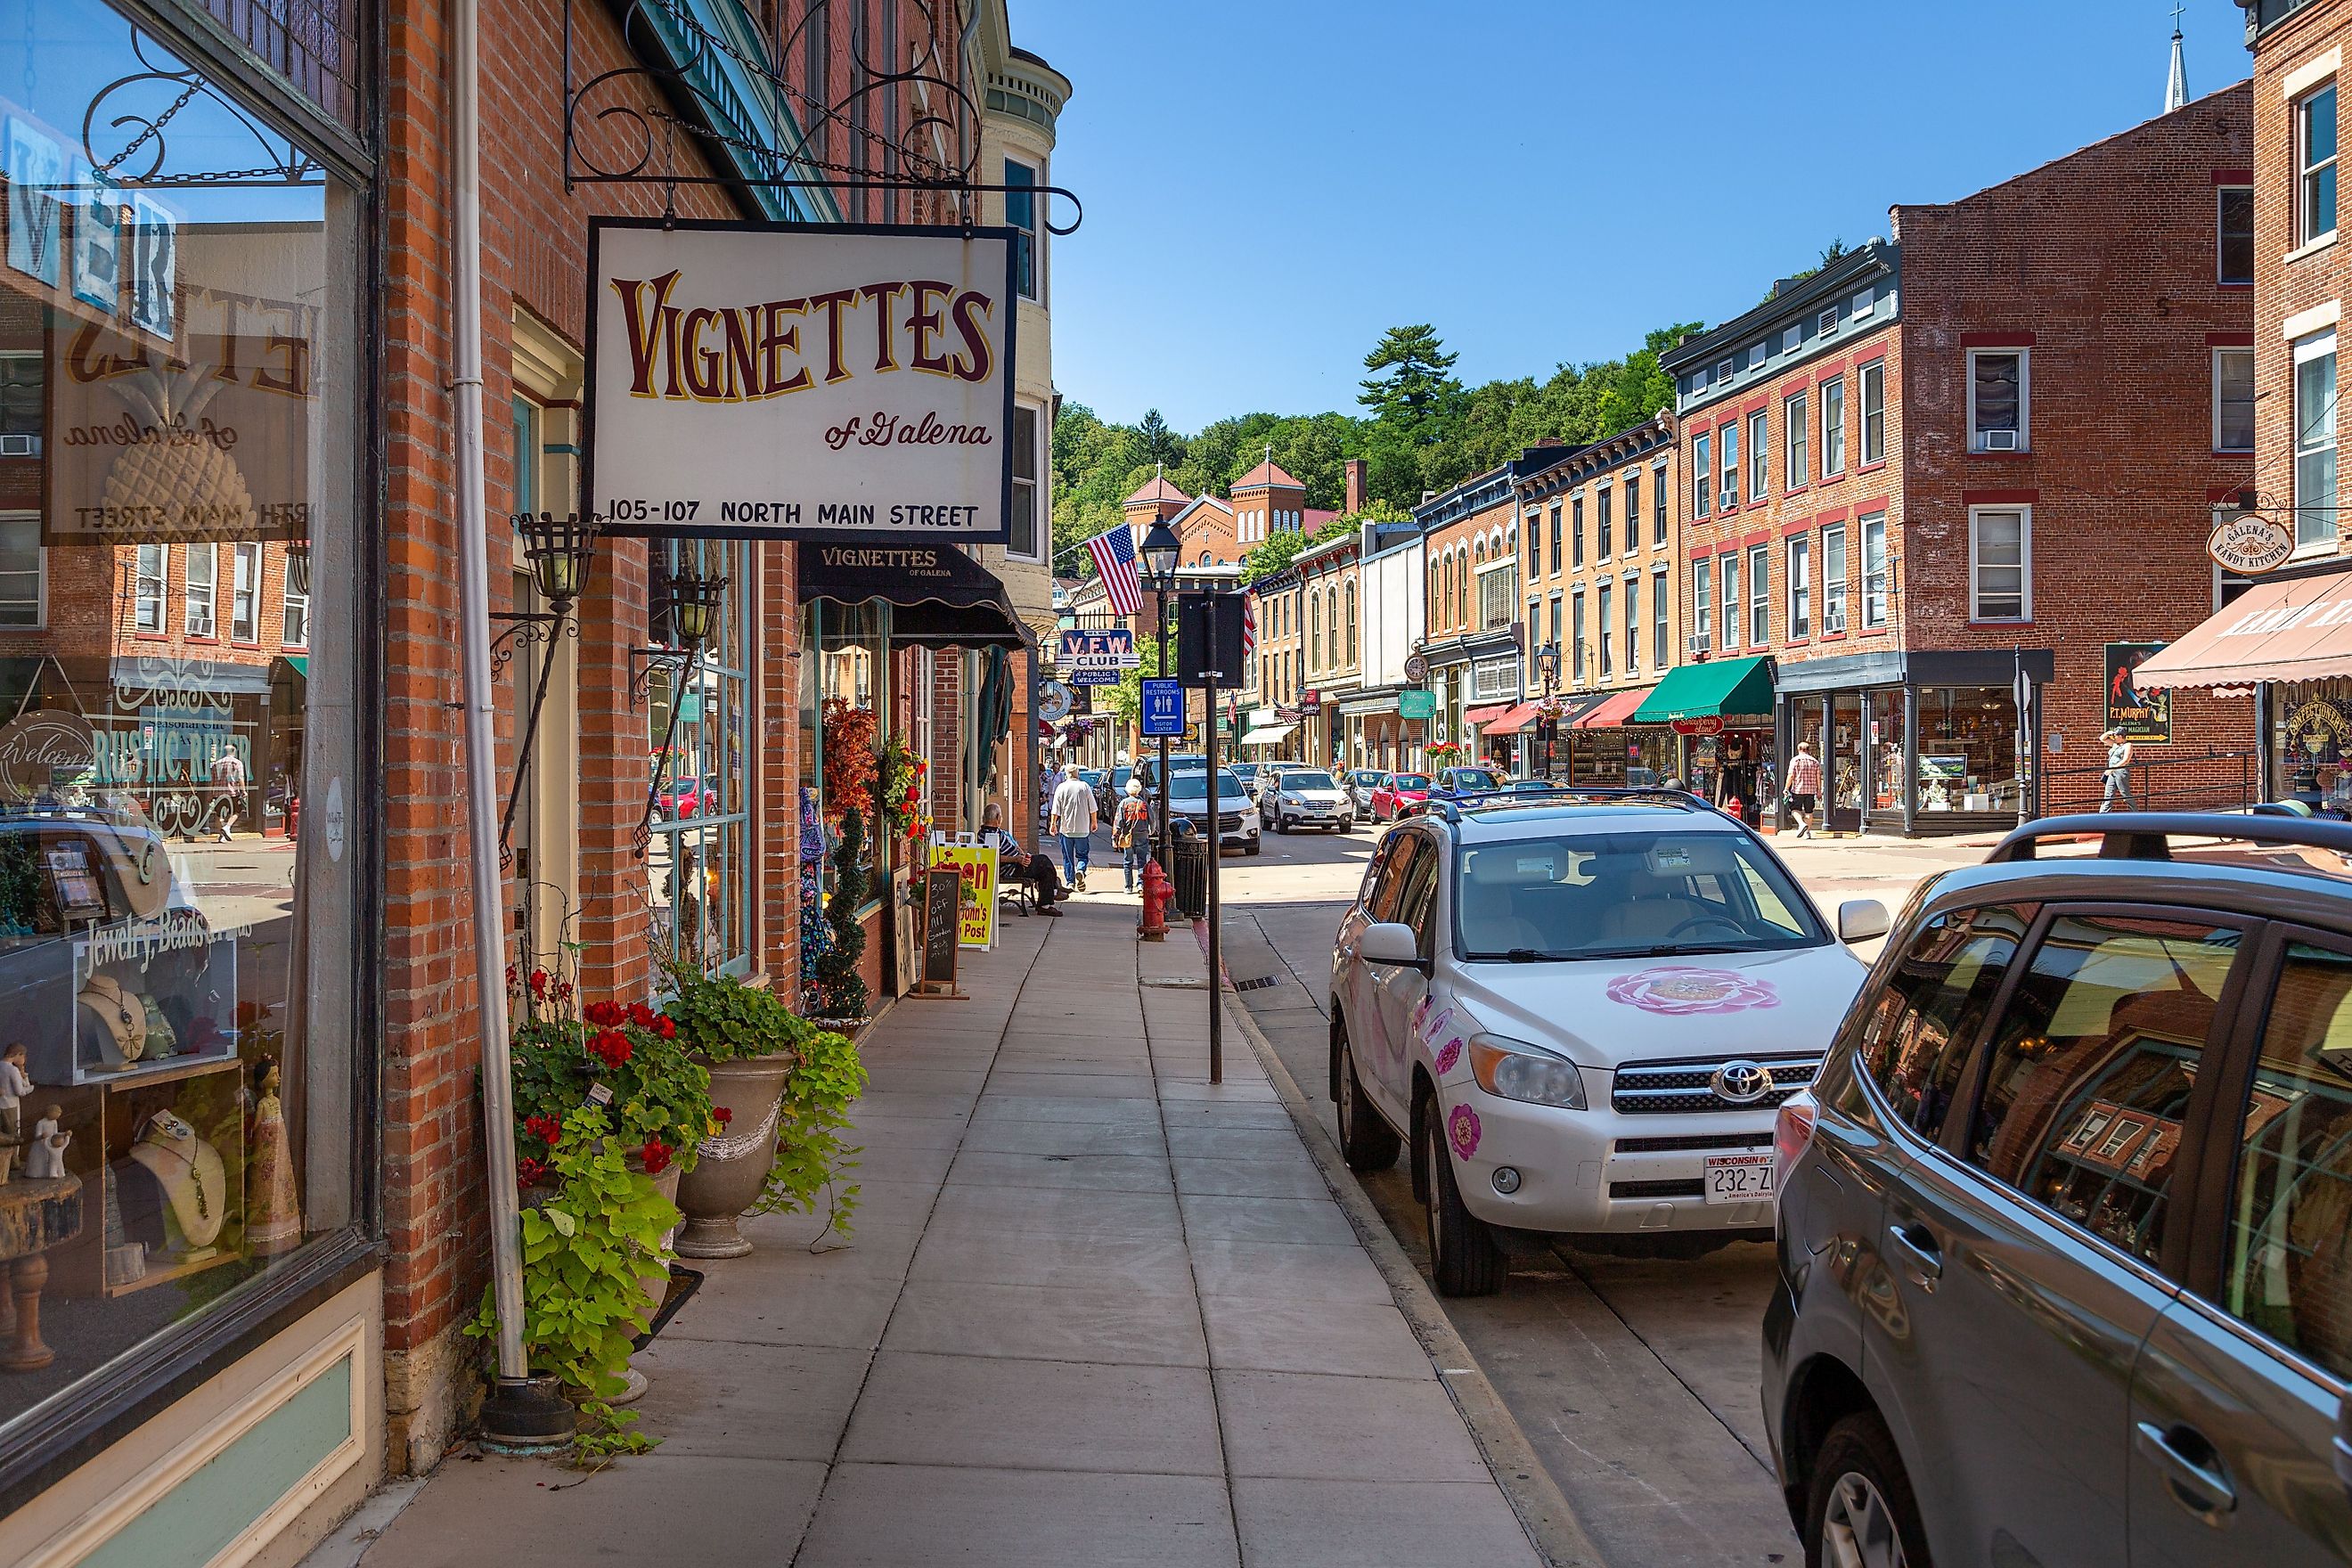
(1742, 1082)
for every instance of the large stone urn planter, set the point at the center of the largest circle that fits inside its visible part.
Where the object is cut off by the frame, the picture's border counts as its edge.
(733, 1167)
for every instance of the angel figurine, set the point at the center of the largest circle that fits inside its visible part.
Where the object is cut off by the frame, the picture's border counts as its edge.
(46, 1159)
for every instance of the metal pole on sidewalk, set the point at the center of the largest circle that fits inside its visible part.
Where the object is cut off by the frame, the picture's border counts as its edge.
(1159, 844)
(1216, 854)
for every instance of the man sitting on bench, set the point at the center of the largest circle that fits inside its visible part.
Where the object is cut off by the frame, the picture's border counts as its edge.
(1014, 863)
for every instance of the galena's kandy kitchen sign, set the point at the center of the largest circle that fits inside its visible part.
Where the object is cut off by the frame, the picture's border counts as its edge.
(801, 381)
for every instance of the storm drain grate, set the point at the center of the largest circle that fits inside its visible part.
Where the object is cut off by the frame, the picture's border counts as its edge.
(1260, 984)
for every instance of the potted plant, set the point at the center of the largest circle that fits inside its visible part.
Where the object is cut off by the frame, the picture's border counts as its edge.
(749, 1042)
(834, 993)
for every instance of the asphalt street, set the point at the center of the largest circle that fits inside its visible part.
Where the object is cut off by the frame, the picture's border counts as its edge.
(1635, 1378)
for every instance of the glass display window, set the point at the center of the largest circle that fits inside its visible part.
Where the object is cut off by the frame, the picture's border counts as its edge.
(181, 799)
(1967, 749)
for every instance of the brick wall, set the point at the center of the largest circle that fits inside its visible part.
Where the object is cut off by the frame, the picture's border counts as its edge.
(2102, 267)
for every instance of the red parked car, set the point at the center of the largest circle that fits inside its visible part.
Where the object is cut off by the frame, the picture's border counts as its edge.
(1401, 796)
(688, 797)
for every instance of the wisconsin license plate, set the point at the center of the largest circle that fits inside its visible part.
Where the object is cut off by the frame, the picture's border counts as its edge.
(1739, 1178)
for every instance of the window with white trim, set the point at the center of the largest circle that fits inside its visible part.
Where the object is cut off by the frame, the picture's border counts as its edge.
(1728, 568)
(1793, 467)
(1027, 499)
(1760, 595)
(1729, 439)
(245, 594)
(1632, 511)
(2233, 234)
(2233, 400)
(1575, 531)
(1834, 578)
(1658, 506)
(1702, 476)
(1759, 453)
(1801, 587)
(148, 588)
(1021, 217)
(1601, 618)
(1999, 400)
(2315, 441)
(294, 600)
(1834, 427)
(2001, 563)
(1703, 606)
(1871, 378)
(1876, 578)
(1576, 634)
(203, 582)
(1603, 524)
(22, 561)
(2314, 158)
(1632, 622)
(1661, 651)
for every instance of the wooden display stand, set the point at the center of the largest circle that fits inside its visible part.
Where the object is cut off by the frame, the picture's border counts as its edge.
(81, 1267)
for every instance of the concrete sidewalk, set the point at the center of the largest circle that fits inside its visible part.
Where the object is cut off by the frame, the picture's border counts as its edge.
(1098, 1311)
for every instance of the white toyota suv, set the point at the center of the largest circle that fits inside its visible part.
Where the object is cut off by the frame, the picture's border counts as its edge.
(1582, 1010)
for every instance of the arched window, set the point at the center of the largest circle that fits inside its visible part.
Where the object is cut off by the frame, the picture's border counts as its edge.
(1351, 621)
(1461, 594)
(1314, 636)
(1331, 622)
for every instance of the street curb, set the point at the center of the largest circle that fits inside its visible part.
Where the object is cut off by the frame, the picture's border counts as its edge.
(1550, 1524)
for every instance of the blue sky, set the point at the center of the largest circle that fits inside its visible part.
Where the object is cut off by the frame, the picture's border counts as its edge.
(1270, 184)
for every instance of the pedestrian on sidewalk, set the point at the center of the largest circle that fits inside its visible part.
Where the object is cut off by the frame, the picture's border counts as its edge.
(2116, 783)
(1014, 863)
(1074, 825)
(1804, 787)
(1131, 834)
(228, 777)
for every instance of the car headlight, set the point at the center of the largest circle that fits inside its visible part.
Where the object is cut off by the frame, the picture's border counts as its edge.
(1512, 1069)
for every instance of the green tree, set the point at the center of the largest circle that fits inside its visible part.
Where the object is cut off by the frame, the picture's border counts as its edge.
(1411, 388)
(1160, 445)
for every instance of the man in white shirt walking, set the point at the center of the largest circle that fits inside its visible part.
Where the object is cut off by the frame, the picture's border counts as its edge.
(1074, 825)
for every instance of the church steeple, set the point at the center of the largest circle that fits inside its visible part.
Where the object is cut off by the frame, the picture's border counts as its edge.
(2176, 87)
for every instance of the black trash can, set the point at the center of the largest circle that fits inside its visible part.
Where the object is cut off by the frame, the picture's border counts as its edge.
(1191, 869)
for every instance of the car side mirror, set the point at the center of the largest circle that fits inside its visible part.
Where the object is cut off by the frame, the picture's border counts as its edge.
(1859, 920)
(1392, 942)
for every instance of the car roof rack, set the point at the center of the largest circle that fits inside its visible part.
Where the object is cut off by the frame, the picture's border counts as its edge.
(2148, 835)
(1450, 807)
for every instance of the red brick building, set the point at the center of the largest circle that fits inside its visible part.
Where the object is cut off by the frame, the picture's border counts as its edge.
(1920, 461)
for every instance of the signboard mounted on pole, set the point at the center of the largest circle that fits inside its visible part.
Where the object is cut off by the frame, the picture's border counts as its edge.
(1097, 657)
(794, 381)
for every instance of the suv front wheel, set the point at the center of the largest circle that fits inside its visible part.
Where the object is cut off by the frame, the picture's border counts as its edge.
(1365, 1141)
(1463, 1259)
(1860, 1509)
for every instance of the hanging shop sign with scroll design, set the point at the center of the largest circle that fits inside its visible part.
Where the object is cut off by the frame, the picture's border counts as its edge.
(811, 382)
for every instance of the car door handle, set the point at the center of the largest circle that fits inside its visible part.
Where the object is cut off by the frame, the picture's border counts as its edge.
(1922, 1264)
(2198, 1487)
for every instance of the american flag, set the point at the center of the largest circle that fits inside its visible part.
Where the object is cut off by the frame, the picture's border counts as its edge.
(1114, 555)
(1249, 622)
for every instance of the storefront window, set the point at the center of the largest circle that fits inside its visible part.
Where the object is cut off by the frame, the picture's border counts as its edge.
(1885, 749)
(1967, 749)
(698, 865)
(180, 809)
(2311, 742)
(844, 691)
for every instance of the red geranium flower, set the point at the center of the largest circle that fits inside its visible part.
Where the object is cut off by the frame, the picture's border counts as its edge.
(721, 1115)
(538, 983)
(603, 1014)
(656, 1155)
(546, 1128)
(529, 1173)
(667, 1026)
(641, 1016)
(611, 1046)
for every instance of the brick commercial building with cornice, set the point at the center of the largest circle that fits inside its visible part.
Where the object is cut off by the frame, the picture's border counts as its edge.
(1978, 459)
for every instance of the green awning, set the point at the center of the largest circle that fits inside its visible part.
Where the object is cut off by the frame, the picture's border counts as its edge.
(1706, 690)
(300, 661)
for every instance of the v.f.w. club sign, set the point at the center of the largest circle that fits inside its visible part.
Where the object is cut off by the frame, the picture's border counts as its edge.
(801, 381)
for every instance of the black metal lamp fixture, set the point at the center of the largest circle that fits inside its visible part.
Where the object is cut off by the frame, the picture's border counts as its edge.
(1160, 549)
(1547, 666)
(561, 550)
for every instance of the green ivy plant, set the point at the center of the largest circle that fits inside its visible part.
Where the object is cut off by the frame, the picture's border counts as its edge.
(812, 1154)
(721, 1019)
(584, 1251)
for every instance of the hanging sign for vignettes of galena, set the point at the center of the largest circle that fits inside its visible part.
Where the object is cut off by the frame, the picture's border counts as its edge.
(812, 381)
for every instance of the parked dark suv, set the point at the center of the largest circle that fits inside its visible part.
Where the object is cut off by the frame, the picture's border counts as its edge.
(2065, 1221)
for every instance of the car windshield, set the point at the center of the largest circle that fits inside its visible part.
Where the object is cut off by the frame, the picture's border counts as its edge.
(1409, 781)
(1308, 778)
(1645, 894)
(1472, 778)
(1196, 782)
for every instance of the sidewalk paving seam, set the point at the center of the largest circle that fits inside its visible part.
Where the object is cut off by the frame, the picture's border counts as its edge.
(833, 1464)
(1543, 1511)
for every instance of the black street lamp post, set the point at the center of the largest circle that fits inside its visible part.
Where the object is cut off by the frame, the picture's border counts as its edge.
(1160, 549)
(1548, 668)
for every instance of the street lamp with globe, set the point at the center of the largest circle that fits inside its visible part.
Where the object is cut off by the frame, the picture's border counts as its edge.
(1159, 552)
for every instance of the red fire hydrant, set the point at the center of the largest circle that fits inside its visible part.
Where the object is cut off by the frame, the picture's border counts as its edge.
(1157, 894)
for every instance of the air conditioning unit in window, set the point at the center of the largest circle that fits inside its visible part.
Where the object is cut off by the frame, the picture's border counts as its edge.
(1701, 644)
(20, 445)
(1997, 440)
(1834, 620)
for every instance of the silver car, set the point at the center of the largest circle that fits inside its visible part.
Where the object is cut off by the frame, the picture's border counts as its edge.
(1307, 797)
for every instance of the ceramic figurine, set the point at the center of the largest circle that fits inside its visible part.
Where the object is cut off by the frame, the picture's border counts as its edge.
(46, 1159)
(14, 1086)
(274, 1212)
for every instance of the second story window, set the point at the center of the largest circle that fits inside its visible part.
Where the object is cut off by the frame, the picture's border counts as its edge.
(1633, 510)
(296, 600)
(1759, 453)
(1997, 400)
(2314, 442)
(1702, 607)
(1875, 579)
(1728, 568)
(1702, 477)
(2234, 234)
(2314, 157)
(1576, 531)
(1535, 549)
(1871, 378)
(245, 594)
(1555, 537)
(1632, 622)
(204, 579)
(1602, 615)
(147, 590)
(1793, 466)
(1604, 527)
(1021, 216)
(1660, 648)
(1023, 541)
(1834, 427)
(1834, 578)
(1801, 588)
(2233, 400)
(2001, 563)
(1760, 595)
(1658, 507)
(1576, 634)
(1729, 436)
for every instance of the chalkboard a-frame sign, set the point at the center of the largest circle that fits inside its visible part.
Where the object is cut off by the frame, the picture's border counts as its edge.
(942, 913)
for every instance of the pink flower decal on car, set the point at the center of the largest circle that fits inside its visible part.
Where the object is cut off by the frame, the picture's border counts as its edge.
(1462, 1126)
(1449, 1056)
(1682, 989)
